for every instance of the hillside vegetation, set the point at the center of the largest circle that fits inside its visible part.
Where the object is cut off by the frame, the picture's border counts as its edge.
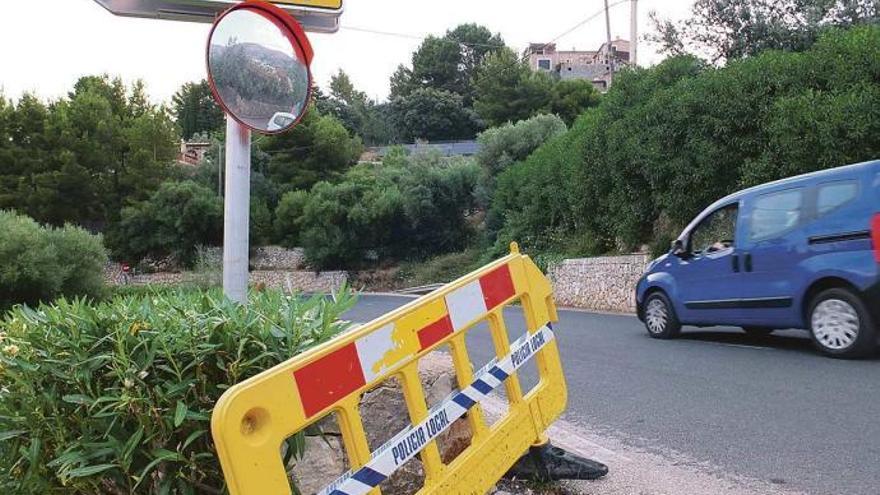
(666, 142)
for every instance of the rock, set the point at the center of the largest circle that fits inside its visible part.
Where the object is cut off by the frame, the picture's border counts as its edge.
(323, 462)
(384, 414)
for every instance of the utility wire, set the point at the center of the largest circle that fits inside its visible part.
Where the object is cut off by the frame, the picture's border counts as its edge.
(475, 44)
(519, 61)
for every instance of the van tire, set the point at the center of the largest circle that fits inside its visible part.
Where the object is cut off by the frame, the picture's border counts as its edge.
(833, 315)
(660, 318)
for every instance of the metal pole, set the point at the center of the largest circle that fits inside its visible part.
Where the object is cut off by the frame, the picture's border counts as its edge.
(634, 34)
(236, 211)
(608, 25)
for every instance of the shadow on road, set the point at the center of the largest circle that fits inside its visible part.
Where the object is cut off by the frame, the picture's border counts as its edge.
(788, 340)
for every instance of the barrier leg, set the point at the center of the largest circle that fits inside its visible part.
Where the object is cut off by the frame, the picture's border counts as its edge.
(545, 463)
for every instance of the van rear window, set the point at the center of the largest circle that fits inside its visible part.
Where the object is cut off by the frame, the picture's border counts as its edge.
(833, 195)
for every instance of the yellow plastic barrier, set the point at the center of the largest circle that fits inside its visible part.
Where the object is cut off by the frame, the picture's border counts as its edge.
(253, 418)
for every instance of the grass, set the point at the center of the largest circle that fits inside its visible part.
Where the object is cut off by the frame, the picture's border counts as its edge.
(440, 269)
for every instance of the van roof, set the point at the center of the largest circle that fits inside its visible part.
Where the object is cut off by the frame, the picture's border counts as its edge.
(828, 173)
(856, 169)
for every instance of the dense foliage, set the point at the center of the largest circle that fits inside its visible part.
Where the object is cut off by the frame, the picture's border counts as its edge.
(318, 148)
(467, 80)
(403, 208)
(175, 220)
(512, 142)
(195, 110)
(666, 142)
(731, 29)
(117, 397)
(82, 158)
(359, 114)
(42, 263)
(505, 145)
(433, 115)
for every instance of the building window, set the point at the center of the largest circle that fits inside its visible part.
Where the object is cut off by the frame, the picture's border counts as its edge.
(544, 64)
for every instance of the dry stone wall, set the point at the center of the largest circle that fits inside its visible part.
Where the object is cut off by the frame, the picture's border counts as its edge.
(271, 266)
(602, 284)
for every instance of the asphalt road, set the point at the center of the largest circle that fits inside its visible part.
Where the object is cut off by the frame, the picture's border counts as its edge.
(767, 408)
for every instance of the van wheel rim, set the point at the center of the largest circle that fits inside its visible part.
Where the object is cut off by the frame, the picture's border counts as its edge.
(656, 316)
(835, 324)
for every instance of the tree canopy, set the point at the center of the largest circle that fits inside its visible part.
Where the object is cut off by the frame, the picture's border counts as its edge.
(195, 110)
(84, 157)
(665, 142)
(730, 29)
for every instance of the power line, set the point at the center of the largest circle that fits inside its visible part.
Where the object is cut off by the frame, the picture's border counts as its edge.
(475, 44)
(421, 38)
(489, 45)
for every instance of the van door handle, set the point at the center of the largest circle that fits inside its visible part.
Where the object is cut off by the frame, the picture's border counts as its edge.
(735, 263)
(748, 262)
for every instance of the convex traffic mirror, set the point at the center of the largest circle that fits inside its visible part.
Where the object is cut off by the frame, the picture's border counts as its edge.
(258, 66)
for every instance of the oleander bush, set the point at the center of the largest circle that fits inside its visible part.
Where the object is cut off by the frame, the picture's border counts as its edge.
(40, 263)
(116, 397)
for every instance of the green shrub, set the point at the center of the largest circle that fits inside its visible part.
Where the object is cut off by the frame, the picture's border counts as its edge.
(405, 209)
(288, 217)
(667, 141)
(261, 231)
(117, 397)
(175, 220)
(41, 263)
(444, 268)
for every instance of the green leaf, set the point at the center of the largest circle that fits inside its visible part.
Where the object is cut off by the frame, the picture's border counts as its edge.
(89, 470)
(179, 414)
(6, 435)
(192, 437)
(77, 399)
(131, 444)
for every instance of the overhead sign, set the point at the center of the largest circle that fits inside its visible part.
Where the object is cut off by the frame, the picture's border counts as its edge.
(314, 15)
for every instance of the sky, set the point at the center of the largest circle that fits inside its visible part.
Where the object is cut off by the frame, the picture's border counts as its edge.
(46, 46)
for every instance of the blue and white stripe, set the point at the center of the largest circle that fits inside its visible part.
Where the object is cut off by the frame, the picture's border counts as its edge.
(409, 442)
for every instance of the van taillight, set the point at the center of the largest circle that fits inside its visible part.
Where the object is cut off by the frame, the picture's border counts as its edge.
(875, 235)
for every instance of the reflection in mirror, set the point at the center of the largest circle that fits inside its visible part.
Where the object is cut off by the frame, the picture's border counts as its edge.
(258, 71)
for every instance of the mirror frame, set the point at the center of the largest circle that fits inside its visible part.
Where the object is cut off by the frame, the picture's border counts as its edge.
(294, 32)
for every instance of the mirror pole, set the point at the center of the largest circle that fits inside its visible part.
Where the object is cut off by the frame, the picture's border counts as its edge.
(236, 211)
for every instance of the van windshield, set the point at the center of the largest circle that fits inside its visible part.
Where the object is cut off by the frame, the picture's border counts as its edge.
(716, 232)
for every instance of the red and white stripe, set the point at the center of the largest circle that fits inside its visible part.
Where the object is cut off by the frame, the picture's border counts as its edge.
(333, 377)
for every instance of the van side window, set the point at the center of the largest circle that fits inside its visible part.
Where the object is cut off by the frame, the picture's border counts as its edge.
(716, 232)
(835, 194)
(776, 213)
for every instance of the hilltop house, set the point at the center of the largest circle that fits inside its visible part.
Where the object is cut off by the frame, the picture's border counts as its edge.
(597, 66)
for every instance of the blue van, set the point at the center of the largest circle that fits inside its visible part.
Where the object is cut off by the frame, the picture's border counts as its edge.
(802, 252)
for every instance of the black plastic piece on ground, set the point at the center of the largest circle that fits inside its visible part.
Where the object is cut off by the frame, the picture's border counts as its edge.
(544, 463)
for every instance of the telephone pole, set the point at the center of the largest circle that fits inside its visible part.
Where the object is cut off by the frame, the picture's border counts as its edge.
(608, 24)
(634, 33)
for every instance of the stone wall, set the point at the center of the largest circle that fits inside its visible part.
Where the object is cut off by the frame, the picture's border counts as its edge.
(272, 266)
(602, 284)
(289, 281)
(277, 258)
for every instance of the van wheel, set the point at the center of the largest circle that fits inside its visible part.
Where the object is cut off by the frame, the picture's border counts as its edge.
(758, 331)
(660, 319)
(840, 324)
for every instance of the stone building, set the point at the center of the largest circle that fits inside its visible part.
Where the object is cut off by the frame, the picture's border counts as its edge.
(597, 66)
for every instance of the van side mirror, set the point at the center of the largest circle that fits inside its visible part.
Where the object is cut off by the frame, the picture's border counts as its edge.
(678, 248)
